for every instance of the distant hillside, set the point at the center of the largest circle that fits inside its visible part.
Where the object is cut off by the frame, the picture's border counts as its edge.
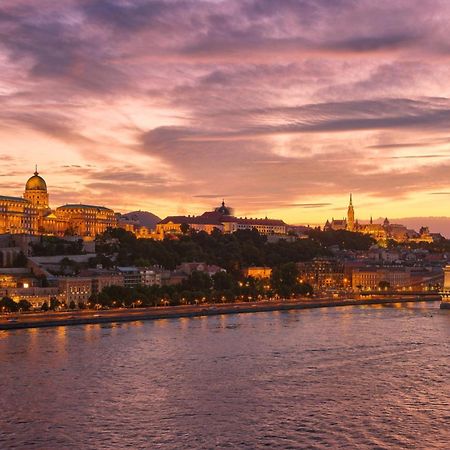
(145, 218)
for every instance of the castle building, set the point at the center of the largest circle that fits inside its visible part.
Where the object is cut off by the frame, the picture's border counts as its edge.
(36, 192)
(86, 220)
(221, 218)
(381, 232)
(335, 224)
(31, 214)
(17, 216)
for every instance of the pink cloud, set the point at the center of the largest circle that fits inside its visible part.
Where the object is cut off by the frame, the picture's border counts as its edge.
(162, 103)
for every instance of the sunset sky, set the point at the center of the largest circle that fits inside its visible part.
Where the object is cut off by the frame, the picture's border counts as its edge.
(282, 107)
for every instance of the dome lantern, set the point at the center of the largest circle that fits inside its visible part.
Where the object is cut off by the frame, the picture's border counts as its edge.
(224, 210)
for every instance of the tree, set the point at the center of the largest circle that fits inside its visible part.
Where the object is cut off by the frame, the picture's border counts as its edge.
(54, 303)
(383, 284)
(100, 259)
(284, 279)
(198, 281)
(68, 265)
(184, 228)
(24, 305)
(64, 264)
(44, 306)
(104, 299)
(72, 305)
(304, 289)
(69, 231)
(52, 246)
(223, 281)
(20, 260)
(343, 238)
(7, 304)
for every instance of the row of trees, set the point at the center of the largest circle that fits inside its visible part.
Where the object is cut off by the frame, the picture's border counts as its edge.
(200, 287)
(9, 305)
(197, 288)
(52, 245)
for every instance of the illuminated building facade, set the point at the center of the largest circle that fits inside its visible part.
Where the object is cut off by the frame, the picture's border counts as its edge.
(86, 220)
(31, 214)
(258, 272)
(221, 219)
(17, 216)
(372, 278)
(323, 273)
(80, 289)
(135, 227)
(381, 232)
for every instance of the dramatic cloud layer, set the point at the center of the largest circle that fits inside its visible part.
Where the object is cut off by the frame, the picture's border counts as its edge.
(282, 107)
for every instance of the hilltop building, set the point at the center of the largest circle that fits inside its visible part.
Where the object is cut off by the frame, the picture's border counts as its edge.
(31, 214)
(380, 232)
(221, 218)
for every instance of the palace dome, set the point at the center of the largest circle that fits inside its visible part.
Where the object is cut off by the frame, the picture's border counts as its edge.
(36, 183)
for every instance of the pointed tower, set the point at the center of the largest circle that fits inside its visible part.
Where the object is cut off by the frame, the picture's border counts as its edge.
(350, 216)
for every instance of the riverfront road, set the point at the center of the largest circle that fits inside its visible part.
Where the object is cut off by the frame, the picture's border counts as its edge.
(49, 319)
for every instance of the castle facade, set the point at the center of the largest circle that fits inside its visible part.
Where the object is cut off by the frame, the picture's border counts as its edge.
(31, 214)
(381, 232)
(223, 219)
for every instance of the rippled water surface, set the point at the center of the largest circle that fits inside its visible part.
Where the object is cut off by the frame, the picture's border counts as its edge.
(353, 377)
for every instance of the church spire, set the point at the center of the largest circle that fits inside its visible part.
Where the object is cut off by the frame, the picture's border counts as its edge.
(350, 216)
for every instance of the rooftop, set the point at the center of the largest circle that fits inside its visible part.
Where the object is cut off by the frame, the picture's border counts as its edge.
(217, 218)
(13, 199)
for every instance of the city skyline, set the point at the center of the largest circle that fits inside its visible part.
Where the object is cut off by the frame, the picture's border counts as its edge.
(224, 224)
(437, 224)
(281, 111)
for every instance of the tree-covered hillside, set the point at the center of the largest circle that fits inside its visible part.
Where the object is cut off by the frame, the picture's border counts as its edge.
(230, 251)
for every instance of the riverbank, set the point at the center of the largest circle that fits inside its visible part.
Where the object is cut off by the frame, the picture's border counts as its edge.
(38, 320)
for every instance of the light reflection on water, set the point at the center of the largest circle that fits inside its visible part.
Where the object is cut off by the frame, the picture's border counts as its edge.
(351, 377)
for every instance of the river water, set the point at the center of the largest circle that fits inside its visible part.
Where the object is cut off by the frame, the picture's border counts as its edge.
(350, 377)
